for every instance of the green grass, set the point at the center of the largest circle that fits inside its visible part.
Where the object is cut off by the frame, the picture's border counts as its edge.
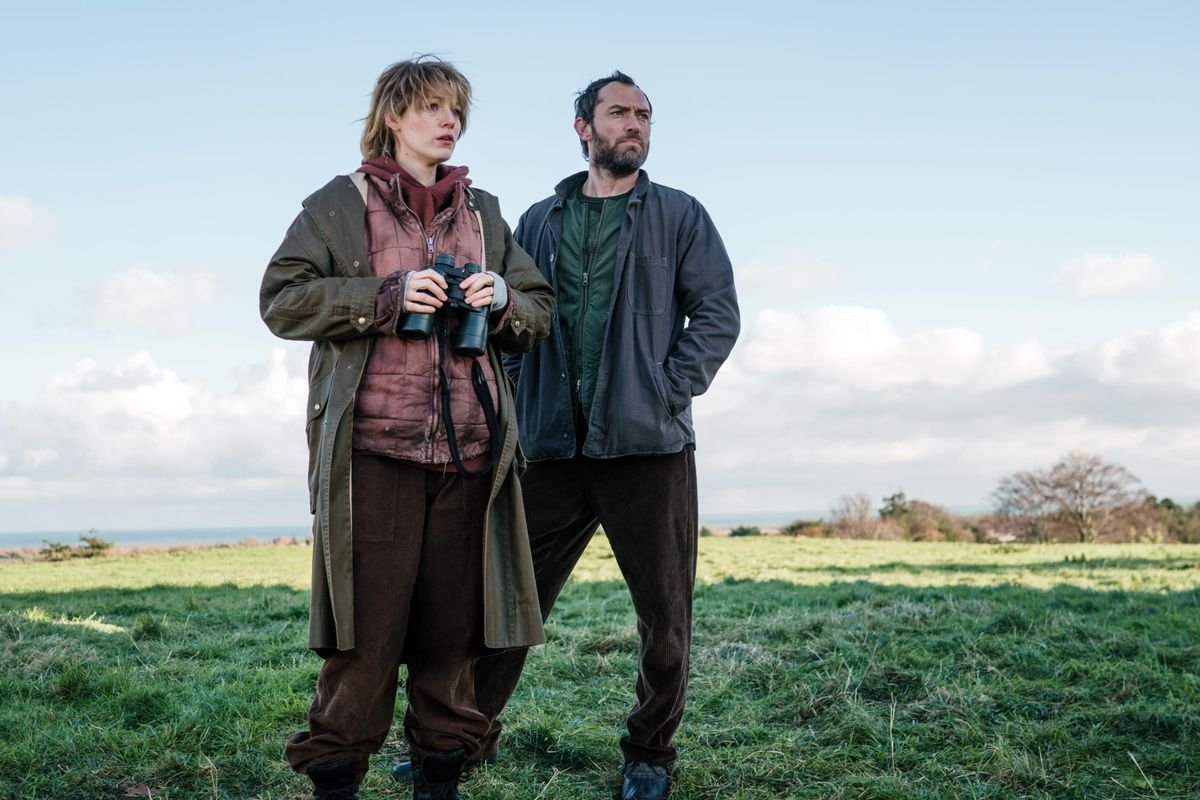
(821, 669)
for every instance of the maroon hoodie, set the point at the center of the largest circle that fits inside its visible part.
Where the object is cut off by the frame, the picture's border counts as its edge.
(398, 186)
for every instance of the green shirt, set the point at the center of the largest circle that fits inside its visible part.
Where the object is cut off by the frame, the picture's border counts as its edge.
(584, 284)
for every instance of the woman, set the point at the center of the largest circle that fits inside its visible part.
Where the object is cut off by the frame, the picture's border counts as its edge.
(420, 552)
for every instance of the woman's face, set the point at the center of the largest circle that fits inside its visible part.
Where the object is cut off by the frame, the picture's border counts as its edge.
(426, 135)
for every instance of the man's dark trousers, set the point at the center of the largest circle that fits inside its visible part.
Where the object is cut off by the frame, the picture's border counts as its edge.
(647, 507)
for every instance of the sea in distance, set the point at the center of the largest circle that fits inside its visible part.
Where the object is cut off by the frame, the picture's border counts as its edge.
(166, 537)
(169, 537)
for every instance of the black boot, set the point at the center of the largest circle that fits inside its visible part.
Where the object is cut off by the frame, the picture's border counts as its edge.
(435, 777)
(334, 781)
(645, 781)
(402, 770)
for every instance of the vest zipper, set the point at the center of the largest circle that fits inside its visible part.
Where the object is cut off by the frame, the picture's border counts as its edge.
(589, 256)
(579, 330)
(431, 425)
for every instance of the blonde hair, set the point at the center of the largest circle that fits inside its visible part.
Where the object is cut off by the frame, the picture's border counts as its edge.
(410, 83)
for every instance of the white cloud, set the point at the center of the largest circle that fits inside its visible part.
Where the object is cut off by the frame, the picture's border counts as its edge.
(138, 444)
(811, 406)
(38, 458)
(1169, 356)
(832, 401)
(21, 221)
(140, 421)
(21, 487)
(860, 347)
(161, 302)
(1104, 274)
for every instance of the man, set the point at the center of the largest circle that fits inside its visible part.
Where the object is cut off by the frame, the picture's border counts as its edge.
(646, 314)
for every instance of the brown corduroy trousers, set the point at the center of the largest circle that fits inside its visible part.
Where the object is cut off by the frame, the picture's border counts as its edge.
(418, 599)
(647, 507)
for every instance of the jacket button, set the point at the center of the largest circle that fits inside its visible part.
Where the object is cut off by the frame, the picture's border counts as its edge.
(333, 213)
(566, 435)
(362, 320)
(316, 406)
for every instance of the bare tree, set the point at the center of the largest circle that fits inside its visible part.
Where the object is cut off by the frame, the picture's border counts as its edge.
(851, 516)
(1082, 491)
(851, 508)
(1026, 499)
(1087, 490)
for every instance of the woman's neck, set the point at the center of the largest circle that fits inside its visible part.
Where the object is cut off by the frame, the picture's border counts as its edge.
(421, 170)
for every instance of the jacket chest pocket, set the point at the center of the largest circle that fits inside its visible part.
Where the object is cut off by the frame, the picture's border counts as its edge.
(650, 285)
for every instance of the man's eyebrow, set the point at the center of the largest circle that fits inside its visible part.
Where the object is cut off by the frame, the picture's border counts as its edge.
(619, 107)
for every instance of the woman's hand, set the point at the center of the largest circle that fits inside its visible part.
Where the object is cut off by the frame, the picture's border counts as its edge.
(479, 289)
(424, 292)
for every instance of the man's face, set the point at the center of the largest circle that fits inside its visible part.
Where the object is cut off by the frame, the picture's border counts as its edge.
(619, 136)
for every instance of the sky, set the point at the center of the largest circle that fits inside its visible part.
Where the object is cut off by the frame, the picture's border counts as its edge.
(964, 235)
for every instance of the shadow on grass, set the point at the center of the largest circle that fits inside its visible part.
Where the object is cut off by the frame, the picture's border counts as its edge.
(796, 691)
(1067, 564)
(187, 690)
(937, 691)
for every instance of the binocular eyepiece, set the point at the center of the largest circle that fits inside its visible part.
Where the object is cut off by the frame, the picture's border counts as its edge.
(470, 339)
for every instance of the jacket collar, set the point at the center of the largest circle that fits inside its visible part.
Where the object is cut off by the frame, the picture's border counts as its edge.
(569, 184)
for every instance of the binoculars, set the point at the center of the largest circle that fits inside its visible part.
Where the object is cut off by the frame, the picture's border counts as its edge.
(470, 339)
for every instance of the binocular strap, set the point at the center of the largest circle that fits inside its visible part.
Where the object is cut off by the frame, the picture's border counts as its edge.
(479, 384)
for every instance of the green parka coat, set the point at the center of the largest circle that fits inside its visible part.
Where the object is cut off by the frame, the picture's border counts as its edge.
(320, 287)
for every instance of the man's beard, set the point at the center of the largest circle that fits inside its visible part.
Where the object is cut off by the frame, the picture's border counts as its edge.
(617, 162)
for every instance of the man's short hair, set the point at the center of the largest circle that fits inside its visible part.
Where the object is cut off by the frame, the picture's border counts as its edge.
(585, 101)
(410, 83)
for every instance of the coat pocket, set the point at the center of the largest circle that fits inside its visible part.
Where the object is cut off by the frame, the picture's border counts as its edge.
(314, 428)
(650, 285)
(663, 389)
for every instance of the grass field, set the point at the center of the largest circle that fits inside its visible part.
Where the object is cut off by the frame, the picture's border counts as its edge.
(821, 669)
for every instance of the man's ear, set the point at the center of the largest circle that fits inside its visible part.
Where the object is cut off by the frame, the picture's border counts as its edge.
(583, 129)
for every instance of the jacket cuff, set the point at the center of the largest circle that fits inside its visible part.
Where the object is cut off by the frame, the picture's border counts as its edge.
(363, 297)
(500, 292)
(389, 302)
(500, 319)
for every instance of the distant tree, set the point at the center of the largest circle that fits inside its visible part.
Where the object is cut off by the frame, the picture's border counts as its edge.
(1025, 499)
(1081, 492)
(926, 522)
(811, 528)
(1087, 490)
(54, 551)
(1181, 524)
(919, 521)
(851, 508)
(895, 505)
(850, 515)
(93, 545)
(743, 530)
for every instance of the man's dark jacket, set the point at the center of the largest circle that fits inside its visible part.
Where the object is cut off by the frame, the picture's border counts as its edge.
(673, 320)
